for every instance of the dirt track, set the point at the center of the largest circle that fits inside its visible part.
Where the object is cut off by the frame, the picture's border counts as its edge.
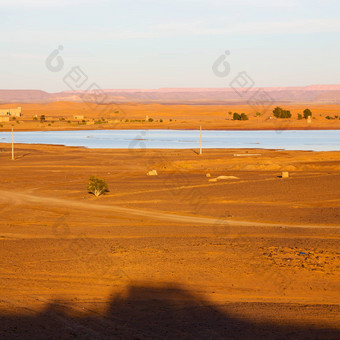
(20, 198)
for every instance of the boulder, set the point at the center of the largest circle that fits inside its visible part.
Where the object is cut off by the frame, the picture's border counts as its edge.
(285, 174)
(226, 177)
(152, 173)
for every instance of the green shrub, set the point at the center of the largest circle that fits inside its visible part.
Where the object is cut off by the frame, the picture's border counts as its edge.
(280, 113)
(241, 116)
(150, 120)
(236, 116)
(97, 186)
(299, 116)
(307, 113)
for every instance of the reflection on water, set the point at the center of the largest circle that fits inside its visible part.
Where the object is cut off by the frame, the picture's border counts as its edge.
(316, 140)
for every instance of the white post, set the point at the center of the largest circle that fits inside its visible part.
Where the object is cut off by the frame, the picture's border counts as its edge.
(12, 146)
(201, 140)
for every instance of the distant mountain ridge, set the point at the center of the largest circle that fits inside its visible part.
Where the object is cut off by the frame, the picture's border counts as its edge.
(328, 94)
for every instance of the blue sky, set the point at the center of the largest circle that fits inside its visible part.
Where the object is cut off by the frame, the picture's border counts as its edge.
(163, 43)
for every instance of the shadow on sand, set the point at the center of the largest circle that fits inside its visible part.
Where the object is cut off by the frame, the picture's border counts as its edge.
(149, 312)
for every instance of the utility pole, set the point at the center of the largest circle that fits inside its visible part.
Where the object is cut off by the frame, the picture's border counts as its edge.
(12, 146)
(201, 140)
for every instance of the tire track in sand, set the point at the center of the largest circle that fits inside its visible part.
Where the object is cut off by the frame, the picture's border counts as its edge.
(27, 198)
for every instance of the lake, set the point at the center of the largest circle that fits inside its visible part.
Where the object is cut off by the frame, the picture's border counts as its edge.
(316, 140)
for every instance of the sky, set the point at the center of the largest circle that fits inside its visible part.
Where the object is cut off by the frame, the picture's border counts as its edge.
(132, 44)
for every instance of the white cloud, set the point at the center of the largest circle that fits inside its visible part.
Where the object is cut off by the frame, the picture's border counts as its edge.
(250, 28)
(46, 3)
(177, 29)
(254, 3)
(219, 3)
(278, 27)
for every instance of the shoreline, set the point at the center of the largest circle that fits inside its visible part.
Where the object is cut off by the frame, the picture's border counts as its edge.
(177, 128)
(260, 145)
(182, 171)
(250, 152)
(165, 149)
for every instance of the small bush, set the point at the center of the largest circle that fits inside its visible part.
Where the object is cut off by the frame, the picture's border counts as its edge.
(244, 116)
(280, 113)
(241, 116)
(150, 120)
(299, 116)
(307, 113)
(97, 186)
(236, 116)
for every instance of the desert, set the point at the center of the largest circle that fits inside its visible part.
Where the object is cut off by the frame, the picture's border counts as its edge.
(63, 116)
(169, 170)
(252, 255)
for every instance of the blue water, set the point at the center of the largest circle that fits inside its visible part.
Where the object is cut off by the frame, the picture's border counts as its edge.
(316, 140)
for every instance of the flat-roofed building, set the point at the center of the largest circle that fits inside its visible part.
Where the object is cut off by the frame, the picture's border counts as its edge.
(11, 112)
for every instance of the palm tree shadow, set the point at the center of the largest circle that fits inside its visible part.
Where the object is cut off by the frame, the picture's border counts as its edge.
(150, 312)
